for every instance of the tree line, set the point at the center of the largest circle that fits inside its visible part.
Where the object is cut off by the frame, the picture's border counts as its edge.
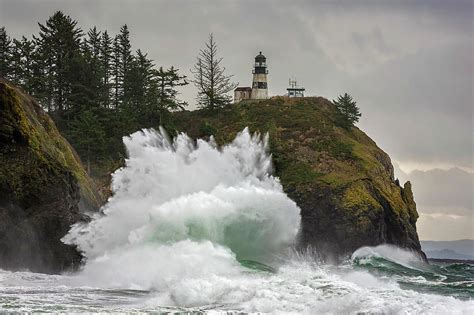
(97, 89)
(92, 83)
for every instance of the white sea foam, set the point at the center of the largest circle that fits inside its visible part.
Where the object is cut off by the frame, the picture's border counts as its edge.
(389, 252)
(183, 210)
(182, 216)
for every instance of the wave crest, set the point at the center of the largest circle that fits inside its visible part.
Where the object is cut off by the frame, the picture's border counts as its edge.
(175, 192)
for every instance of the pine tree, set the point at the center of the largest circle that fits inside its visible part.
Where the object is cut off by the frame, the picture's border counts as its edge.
(105, 58)
(121, 67)
(89, 73)
(22, 64)
(209, 77)
(43, 77)
(93, 86)
(5, 53)
(125, 59)
(88, 136)
(15, 64)
(139, 75)
(348, 112)
(84, 92)
(117, 81)
(93, 44)
(168, 81)
(59, 41)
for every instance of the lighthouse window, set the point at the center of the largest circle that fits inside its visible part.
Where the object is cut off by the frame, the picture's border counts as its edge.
(261, 85)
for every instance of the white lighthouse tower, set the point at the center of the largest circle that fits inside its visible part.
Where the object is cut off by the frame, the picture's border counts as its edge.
(259, 84)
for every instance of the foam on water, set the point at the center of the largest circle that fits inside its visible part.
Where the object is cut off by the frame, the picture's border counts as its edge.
(184, 210)
(193, 227)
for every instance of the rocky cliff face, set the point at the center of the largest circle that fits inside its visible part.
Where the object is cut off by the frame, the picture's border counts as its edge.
(43, 187)
(343, 183)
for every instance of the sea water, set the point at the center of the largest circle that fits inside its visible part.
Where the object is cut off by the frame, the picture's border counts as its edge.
(193, 227)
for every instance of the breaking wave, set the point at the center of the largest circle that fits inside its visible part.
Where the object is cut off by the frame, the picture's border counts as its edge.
(182, 209)
(192, 227)
(406, 268)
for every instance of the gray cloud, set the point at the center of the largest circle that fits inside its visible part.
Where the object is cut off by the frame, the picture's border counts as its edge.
(445, 202)
(439, 227)
(444, 188)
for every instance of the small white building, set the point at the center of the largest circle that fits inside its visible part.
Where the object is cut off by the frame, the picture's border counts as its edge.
(242, 93)
(294, 90)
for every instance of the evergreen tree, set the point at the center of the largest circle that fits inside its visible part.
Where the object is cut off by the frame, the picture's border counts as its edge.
(93, 42)
(87, 66)
(43, 76)
(139, 75)
(105, 58)
(22, 64)
(84, 93)
(117, 82)
(5, 53)
(125, 60)
(88, 136)
(93, 47)
(168, 81)
(348, 112)
(59, 41)
(209, 77)
(15, 65)
(160, 96)
(121, 66)
(92, 86)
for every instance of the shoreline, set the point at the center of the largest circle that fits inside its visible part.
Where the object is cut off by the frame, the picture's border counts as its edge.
(451, 261)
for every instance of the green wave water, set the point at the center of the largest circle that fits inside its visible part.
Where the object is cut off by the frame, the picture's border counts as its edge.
(194, 228)
(449, 279)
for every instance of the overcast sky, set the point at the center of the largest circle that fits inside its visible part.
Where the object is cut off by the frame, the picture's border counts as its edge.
(409, 64)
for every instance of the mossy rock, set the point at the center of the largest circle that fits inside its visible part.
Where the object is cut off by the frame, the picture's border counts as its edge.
(43, 187)
(343, 182)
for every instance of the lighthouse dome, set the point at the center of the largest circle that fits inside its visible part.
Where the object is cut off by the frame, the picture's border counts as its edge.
(260, 58)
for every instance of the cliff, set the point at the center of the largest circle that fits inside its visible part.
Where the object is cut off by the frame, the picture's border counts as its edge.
(43, 187)
(341, 180)
(343, 183)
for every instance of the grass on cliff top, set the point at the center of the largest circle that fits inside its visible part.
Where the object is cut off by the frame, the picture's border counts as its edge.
(307, 146)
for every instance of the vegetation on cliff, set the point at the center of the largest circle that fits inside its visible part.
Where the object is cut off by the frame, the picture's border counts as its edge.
(97, 90)
(341, 180)
(91, 83)
(42, 186)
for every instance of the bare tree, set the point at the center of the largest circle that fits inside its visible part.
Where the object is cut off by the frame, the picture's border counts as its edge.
(213, 85)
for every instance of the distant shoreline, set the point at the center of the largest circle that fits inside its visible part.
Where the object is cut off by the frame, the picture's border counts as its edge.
(451, 261)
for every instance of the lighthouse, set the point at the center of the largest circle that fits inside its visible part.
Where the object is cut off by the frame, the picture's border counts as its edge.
(259, 84)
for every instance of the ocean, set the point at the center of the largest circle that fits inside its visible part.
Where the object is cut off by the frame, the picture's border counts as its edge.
(196, 228)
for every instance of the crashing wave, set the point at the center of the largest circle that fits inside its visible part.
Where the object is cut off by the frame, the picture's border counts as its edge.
(181, 208)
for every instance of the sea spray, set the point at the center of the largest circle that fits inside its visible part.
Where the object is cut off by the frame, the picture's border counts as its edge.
(183, 210)
(410, 272)
(192, 227)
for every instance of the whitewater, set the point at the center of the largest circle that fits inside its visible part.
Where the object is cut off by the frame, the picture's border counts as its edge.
(194, 227)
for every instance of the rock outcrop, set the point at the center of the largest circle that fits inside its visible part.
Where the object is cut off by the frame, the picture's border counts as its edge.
(343, 183)
(43, 188)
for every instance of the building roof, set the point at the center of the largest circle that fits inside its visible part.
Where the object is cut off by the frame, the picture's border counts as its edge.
(260, 58)
(243, 88)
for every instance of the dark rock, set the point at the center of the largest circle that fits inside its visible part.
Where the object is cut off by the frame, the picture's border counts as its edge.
(343, 183)
(42, 184)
